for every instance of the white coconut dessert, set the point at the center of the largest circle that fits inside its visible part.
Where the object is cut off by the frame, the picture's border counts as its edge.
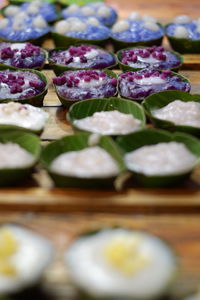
(91, 162)
(24, 255)
(121, 264)
(180, 113)
(111, 122)
(161, 159)
(13, 156)
(23, 115)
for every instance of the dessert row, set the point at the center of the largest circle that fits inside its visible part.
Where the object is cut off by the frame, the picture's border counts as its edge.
(109, 263)
(150, 157)
(30, 21)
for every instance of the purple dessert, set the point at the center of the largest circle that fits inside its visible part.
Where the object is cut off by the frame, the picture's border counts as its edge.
(22, 55)
(82, 57)
(20, 84)
(152, 57)
(140, 84)
(85, 84)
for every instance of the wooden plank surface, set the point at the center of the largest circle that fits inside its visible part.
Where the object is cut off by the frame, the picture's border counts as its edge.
(182, 232)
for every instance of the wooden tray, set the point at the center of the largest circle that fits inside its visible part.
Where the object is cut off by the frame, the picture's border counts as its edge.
(182, 232)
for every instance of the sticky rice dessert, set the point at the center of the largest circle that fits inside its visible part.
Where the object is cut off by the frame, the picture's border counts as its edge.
(24, 256)
(22, 55)
(33, 9)
(22, 28)
(85, 84)
(23, 115)
(161, 159)
(137, 30)
(20, 84)
(83, 57)
(180, 113)
(109, 123)
(79, 30)
(13, 156)
(121, 264)
(86, 163)
(100, 10)
(152, 57)
(140, 84)
(184, 34)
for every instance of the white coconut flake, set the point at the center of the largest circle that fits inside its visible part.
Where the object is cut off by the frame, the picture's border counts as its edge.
(181, 32)
(104, 11)
(87, 163)
(18, 24)
(91, 54)
(150, 80)
(161, 159)
(11, 10)
(78, 26)
(180, 113)
(18, 46)
(62, 27)
(182, 19)
(33, 9)
(93, 21)
(14, 156)
(198, 28)
(23, 115)
(134, 16)
(120, 26)
(39, 22)
(3, 23)
(109, 123)
(87, 11)
(73, 8)
(92, 83)
(151, 26)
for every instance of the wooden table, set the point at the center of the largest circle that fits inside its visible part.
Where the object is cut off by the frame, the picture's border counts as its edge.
(61, 214)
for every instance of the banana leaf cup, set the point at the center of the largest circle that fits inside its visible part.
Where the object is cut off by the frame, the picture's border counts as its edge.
(68, 102)
(183, 45)
(146, 137)
(30, 143)
(103, 236)
(182, 78)
(36, 100)
(61, 40)
(126, 68)
(88, 107)
(75, 143)
(119, 44)
(59, 69)
(39, 68)
(160, 100)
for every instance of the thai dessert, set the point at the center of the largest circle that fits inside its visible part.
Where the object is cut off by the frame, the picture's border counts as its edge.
(33, 9)
(82, 29)
(121, 264)
(105, 14)
(23, 115)
(20, 84)
(111, 122)
(152, 57)
(142, 83)
(137, 29)
(161, 159)
(85, 84)
(83, 57)
(23, 28)
(91, 162)
(22, 55)
(24, 255)
(180, 113)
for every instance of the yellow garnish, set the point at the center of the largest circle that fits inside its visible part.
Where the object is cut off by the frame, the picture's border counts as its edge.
(8, 247)
(124, 254)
